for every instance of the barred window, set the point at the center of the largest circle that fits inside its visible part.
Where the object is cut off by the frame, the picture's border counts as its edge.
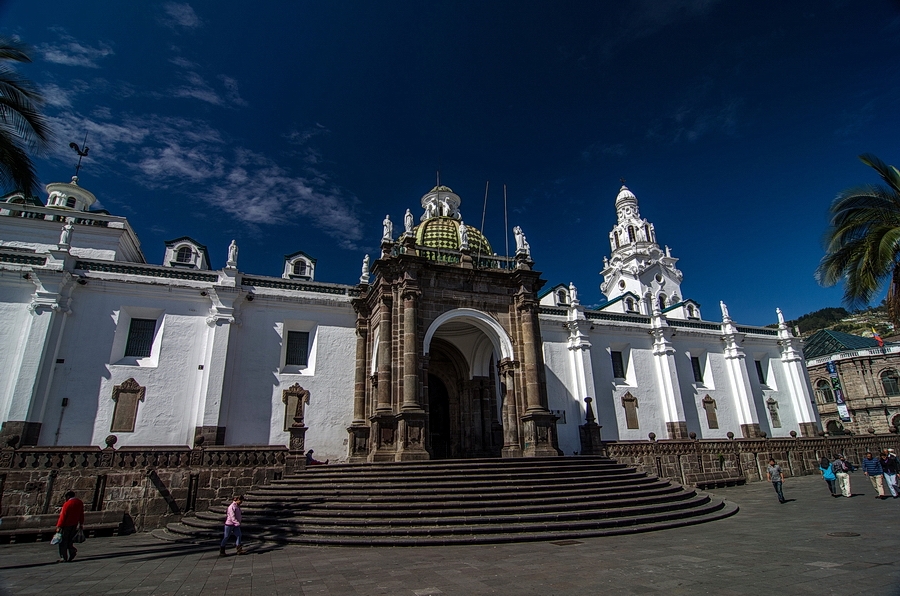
(890, 382)
(140, 338)
(618, 365)
(823, 388)
(698, 370)
(297, 352)
(184, 255)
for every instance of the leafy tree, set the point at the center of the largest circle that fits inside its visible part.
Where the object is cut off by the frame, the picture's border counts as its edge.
(863, 242)
(23, 129)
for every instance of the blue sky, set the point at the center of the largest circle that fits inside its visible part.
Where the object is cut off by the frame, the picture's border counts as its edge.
(297, 125)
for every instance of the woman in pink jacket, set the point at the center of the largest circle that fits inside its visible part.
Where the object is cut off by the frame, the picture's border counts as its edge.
(233, 525)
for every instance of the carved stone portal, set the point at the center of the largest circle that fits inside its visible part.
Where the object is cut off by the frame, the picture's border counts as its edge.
(127, 395)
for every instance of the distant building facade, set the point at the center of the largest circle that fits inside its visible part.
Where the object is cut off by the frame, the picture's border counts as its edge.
(868, 381)
(443, 349)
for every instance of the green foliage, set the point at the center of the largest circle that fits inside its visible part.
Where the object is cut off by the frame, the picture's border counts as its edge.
(23, 129)
(863, 241)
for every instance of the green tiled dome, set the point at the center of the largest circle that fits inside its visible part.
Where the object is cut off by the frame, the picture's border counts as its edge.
(443, 232)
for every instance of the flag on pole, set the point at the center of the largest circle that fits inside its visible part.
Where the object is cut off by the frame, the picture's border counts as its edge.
(877, 338)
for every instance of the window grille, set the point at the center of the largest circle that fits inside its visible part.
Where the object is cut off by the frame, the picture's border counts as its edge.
(140, 338)
(823, 388)
(618, 365)
(300, 268)
(890, 382)
(184, 255)
(297, 352)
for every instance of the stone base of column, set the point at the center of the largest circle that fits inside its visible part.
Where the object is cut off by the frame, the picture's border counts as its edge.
(540, 435)
(359, 444)
(297, 438)
(677, 430)
(751, 431)
(411, 429)
(591, 444)
(212, 435)
(465, 260)
(294, 462)
(511, 451)
(28, 432)
(809, 429)
(384, 437)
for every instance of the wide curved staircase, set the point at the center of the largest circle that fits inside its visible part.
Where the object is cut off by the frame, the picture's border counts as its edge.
(459, 502)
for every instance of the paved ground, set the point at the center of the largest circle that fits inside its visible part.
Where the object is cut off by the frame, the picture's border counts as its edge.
(767, 548)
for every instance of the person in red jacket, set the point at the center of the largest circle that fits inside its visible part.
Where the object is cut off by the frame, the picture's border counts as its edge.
(71, 519)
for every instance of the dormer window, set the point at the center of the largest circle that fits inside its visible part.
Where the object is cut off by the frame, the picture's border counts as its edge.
(299, 265)
(184, 255)
(629, 304)
(561, 297)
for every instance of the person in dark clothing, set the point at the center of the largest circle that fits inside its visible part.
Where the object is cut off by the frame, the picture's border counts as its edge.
(71, 519)
(312, 461)
(776, 477)
(872, 467)
(890, 466)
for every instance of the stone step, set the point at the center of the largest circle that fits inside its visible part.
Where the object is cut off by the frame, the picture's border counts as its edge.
(458, 502)
(483, 535)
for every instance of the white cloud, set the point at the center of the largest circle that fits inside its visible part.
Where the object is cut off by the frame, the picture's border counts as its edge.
(56, 96)
(197, 87)
(180, 15)
(231, 90)
(71, 52)
(183, 62)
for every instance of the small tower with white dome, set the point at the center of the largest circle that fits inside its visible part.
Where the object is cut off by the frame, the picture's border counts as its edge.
(640, 277)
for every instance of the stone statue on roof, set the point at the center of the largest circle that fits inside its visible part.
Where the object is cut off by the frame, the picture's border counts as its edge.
(463, 236)
(408, 222)
(388, 233)
(232, 254)
(522, 245)
(364, 278)
(65, 236)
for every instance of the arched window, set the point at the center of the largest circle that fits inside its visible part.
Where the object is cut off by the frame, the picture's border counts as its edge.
(300, 267)
(647, 233)
(834, 427)
(891, 382)
(823, 389)
(616, 238)
(662, 301)
(184, 255)
(561, 297)
(70, 202)
(629, 304)
(631, 233)
(692, 312)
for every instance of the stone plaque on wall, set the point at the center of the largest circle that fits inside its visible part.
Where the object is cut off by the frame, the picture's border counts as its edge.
(127, 395)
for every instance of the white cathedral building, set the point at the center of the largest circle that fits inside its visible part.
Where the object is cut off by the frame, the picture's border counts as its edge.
(444, 349)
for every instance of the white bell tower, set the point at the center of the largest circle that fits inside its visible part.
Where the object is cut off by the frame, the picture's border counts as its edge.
(640, 276)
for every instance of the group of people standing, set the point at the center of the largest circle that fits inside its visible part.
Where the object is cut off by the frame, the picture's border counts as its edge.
(881, 471)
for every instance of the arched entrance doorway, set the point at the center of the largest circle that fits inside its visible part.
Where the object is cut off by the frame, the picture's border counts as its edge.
(463, 409)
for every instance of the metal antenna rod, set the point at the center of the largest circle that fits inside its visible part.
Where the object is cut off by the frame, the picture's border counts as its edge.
(506, 225)
(483, 211)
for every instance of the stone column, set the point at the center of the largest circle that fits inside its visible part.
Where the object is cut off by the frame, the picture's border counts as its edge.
(358, 445)
(385, 335)
(411, 420)
(538, 423)
(510, 411)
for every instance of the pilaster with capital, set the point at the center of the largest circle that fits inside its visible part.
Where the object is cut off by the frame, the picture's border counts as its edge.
(579, 345)
(798, 378)
(738, 377)
(507, 370)
(666, 372)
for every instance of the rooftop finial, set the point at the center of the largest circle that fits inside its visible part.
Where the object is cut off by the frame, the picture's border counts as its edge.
(82, 153)
(622, 180)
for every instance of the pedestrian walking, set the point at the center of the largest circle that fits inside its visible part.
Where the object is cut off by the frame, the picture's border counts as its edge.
(890, 466)
(842, 470)
(872, 468)
(828, 475)
(233, 526)
(70, 522)
(776, 477)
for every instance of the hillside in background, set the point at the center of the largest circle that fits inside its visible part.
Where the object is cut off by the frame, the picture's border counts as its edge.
(839, 319)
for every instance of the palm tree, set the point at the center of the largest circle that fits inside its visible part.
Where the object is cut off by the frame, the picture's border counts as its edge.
(863, 242)
(23, 129)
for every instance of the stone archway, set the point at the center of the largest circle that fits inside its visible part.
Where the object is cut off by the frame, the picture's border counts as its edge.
(462, 409)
